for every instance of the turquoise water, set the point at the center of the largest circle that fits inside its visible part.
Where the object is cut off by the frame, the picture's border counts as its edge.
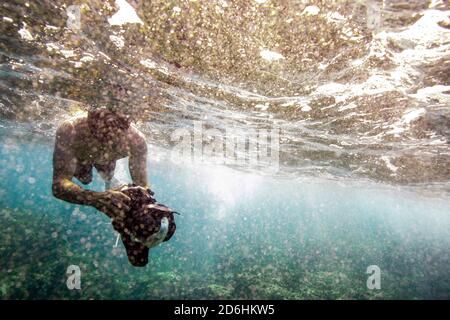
(240, 235)
(359, 91)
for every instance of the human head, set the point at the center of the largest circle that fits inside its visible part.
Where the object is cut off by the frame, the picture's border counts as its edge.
(107, 124)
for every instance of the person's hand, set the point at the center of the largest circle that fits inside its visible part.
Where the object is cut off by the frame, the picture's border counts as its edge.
(113, 203)
(145, 191)
(144, 194)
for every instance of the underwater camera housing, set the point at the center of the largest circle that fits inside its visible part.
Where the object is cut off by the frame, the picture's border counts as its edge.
(146, 224)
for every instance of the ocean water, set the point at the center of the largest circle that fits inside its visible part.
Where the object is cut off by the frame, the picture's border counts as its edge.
(358, 90)
(240, 235)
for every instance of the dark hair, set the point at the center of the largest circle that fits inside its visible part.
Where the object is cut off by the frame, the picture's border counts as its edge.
(120, 119)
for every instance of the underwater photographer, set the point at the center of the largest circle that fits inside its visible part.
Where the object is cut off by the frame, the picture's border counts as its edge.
(98, 140)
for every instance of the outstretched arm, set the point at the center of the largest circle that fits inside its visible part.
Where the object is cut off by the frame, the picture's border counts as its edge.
(138, 158)
(64, 164)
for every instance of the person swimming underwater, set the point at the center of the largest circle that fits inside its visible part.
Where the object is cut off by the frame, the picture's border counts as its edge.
(98, 140)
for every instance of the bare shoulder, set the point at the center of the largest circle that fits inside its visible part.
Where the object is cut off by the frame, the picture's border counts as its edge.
(73, 126)
(65, 130)
(136, 137)
(135, 134)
